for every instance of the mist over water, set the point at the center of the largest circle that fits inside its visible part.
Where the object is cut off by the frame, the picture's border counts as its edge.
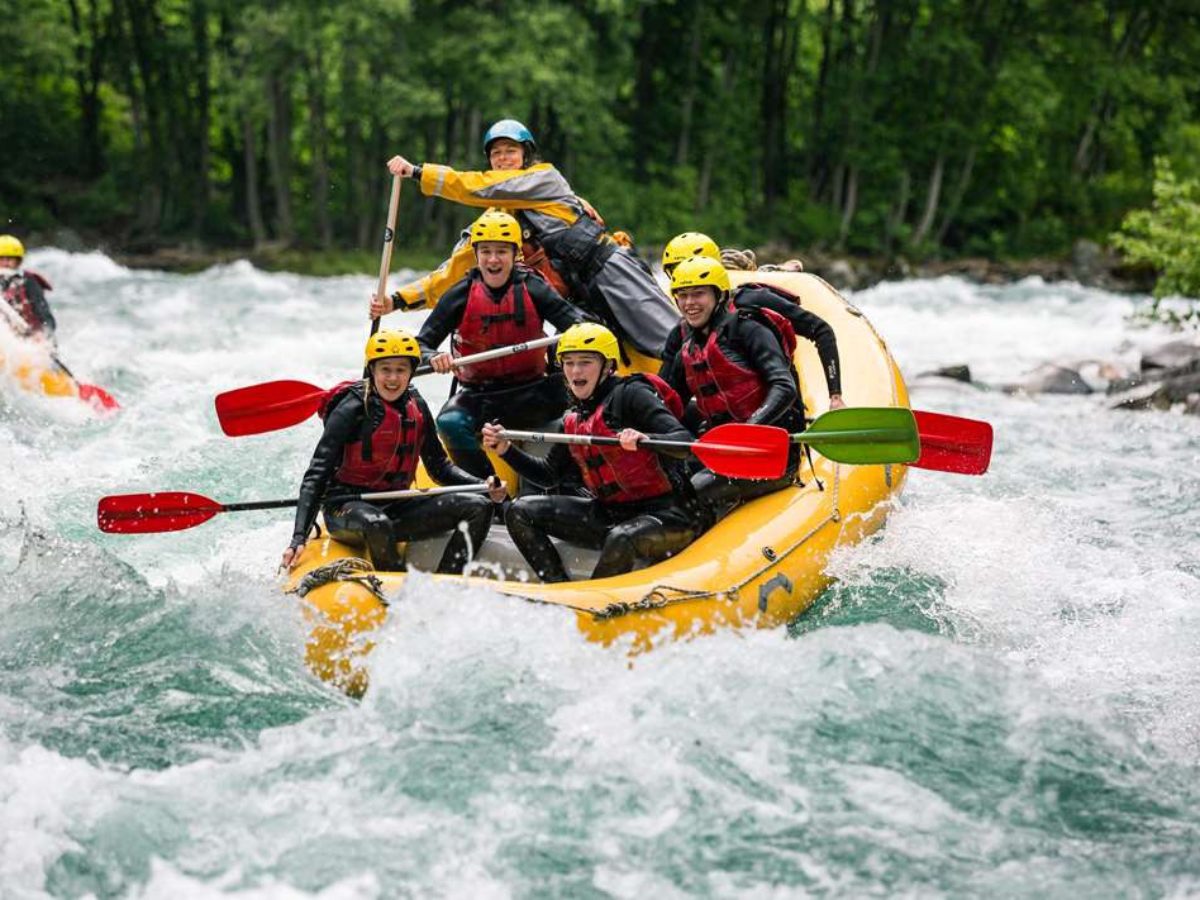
(997, 697)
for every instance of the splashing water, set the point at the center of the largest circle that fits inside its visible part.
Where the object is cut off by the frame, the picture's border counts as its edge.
(997, 697)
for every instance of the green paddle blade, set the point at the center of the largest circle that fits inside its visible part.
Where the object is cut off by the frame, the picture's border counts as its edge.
(864, 435)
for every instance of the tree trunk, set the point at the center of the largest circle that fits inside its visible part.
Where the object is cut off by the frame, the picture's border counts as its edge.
(645, 97)
(850, 208)
(819, 161)
(898, 212)
(683, 144)
(932, 197)
(253, 205)
(89, 62)
(956, 198)
(712, 143)
(279, 155)
(320, 146)
(776, 73)
(203, 113)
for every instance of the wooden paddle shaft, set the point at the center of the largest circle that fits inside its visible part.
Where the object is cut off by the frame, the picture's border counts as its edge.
(498, 353)
(389, 237)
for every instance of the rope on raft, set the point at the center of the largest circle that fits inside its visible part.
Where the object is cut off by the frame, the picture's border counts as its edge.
(350, 568)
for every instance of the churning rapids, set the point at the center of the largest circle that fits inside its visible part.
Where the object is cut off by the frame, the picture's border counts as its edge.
(998, 696)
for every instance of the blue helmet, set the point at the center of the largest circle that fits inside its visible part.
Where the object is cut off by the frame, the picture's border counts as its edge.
(511, 129)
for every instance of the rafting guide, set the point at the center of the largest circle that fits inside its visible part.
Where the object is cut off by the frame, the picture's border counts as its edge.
(563, 238)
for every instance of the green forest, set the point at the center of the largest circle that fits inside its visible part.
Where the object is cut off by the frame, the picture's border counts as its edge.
(998, 128)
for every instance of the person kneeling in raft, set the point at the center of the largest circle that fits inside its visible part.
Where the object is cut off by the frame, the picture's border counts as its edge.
(498, 304)
(375, 431)
(737, 364)
(634, 512)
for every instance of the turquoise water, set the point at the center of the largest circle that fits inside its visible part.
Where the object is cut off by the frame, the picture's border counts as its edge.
(997, 697)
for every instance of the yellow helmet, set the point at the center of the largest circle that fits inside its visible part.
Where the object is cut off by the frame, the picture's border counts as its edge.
(495, 225)
(698, 271)
(690, 243)
(389, 344)
(10, 246)
(589, 337)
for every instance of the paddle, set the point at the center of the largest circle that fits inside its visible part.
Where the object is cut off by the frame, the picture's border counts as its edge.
(953, 444)
(177, 510)
(864, 435)
(281, 404)
(385, 259)
(97, 396)
(734, 450)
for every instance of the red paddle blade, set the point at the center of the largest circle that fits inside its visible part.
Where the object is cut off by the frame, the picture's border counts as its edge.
(953, 444)
(98, 397)
(267, 407)
(737, 450)
(150, 513)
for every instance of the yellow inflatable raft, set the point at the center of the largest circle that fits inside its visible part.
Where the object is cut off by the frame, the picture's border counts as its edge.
(761, 565)
(31, 368)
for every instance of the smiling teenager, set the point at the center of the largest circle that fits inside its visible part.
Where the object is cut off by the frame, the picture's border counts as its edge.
(497, 304)
(376, 431)
(634, 511)
(737, 364)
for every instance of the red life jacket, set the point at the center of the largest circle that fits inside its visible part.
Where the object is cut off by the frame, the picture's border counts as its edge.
(17, 296)
(613, 474)
(488, 323)
(535, 257)
(724, 390)
(387, 457)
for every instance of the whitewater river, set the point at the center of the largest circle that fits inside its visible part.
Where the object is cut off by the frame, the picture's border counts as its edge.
(998, 697)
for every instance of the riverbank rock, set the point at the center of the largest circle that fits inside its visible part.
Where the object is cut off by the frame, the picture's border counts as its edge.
(960, 372)
(1050, 379)
(1172, 355)
(1169, 374)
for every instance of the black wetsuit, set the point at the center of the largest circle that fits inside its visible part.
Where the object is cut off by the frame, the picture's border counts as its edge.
(381, 525)
(653, 529)
(524, 405)
(751, 345)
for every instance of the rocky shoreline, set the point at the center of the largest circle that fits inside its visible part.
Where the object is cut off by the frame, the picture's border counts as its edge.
(1167, 377)
(1088, 264)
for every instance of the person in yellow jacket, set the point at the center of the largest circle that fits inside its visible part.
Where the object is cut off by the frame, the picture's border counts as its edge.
(564, 239)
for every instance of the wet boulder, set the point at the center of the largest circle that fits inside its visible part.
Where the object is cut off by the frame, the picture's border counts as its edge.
(960, 372)
(1050, 378)
(1172, 355)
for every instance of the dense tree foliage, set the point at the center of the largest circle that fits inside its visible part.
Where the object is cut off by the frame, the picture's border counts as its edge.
(895, 126)
(1167, 237)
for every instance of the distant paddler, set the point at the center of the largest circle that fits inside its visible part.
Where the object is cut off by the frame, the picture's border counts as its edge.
(564, 238)
(24, 293)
